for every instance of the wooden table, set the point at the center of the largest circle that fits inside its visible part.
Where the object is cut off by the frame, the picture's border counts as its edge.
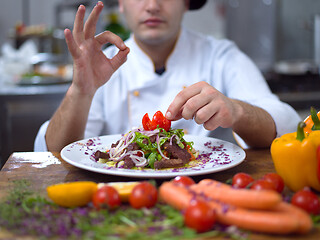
(46, 168)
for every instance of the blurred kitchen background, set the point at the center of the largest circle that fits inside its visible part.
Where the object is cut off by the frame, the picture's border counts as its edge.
(281, 36)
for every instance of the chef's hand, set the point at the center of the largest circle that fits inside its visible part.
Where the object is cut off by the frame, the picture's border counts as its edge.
(206, 105)
(91, 68)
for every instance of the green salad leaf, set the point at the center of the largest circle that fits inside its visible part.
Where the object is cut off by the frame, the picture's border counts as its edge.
(151, 149)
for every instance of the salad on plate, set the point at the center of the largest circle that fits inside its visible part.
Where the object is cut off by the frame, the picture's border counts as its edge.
(155, 145)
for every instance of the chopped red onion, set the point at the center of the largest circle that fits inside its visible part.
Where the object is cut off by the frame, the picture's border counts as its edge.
(159, 149)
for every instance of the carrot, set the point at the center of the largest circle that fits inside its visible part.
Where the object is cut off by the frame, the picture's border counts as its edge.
(305, 223)
(179, 200)
(254, 199)
(283, 219)
(247, 198)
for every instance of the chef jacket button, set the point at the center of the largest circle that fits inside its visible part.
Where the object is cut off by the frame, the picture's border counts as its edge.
(184, 86)
(136, 93)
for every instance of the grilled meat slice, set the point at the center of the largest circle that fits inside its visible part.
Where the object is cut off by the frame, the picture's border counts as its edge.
(133, 146)
(113, 145)
(128, 163)
(98, 154)
(152, 138)
(169, 163)
(176, 152)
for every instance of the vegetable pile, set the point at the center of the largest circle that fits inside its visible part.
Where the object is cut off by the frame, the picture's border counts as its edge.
(180, 208)
(305, 198)
(155, 146)
(296, 155)
(261, 210)
(25, 214)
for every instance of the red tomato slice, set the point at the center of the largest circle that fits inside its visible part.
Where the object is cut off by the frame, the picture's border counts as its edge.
(158, 120)
(146, 123)
(166, 124)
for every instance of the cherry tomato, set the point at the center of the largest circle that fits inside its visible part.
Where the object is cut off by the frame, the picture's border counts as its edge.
(276, 180)
(199, 216)
(146, 123)
(241, 180)
(184, 180)
(157, 120)
(262, 184)
(143, 195)
(106, 196)
(306, 200)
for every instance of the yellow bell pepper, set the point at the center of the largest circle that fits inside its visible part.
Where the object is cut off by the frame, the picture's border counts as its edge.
(312, 121)
(295, 158)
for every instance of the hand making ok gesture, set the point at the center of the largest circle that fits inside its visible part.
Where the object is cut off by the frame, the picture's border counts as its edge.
(92, 68)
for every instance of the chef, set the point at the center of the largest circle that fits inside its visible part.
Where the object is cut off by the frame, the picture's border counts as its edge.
(207, 87)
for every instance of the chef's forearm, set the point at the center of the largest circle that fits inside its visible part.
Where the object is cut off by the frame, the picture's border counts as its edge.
(69, 121)
(254, 125)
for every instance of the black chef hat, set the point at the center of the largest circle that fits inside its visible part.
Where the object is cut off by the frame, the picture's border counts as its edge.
(196, 4)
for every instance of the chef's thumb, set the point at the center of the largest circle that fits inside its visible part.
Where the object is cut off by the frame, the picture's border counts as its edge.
(120, 58)
(172, 117)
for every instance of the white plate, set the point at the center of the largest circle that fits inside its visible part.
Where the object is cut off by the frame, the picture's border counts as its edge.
(222, 155)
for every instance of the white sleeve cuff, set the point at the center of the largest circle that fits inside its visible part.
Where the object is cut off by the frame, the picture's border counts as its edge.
(40, 144)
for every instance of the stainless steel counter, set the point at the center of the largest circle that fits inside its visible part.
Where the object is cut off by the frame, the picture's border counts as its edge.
(300, 91)
(22, 111)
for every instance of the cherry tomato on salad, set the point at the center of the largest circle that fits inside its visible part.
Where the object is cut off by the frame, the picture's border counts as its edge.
(158, 120)
(276, 180)
(106, 196)
(262, 184)
(146, 123)
(306, 200)
(143, 195)
(199, 216)
(241, 180)
(183, 180)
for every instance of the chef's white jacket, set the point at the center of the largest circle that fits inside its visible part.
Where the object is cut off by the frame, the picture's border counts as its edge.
(135, 89)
